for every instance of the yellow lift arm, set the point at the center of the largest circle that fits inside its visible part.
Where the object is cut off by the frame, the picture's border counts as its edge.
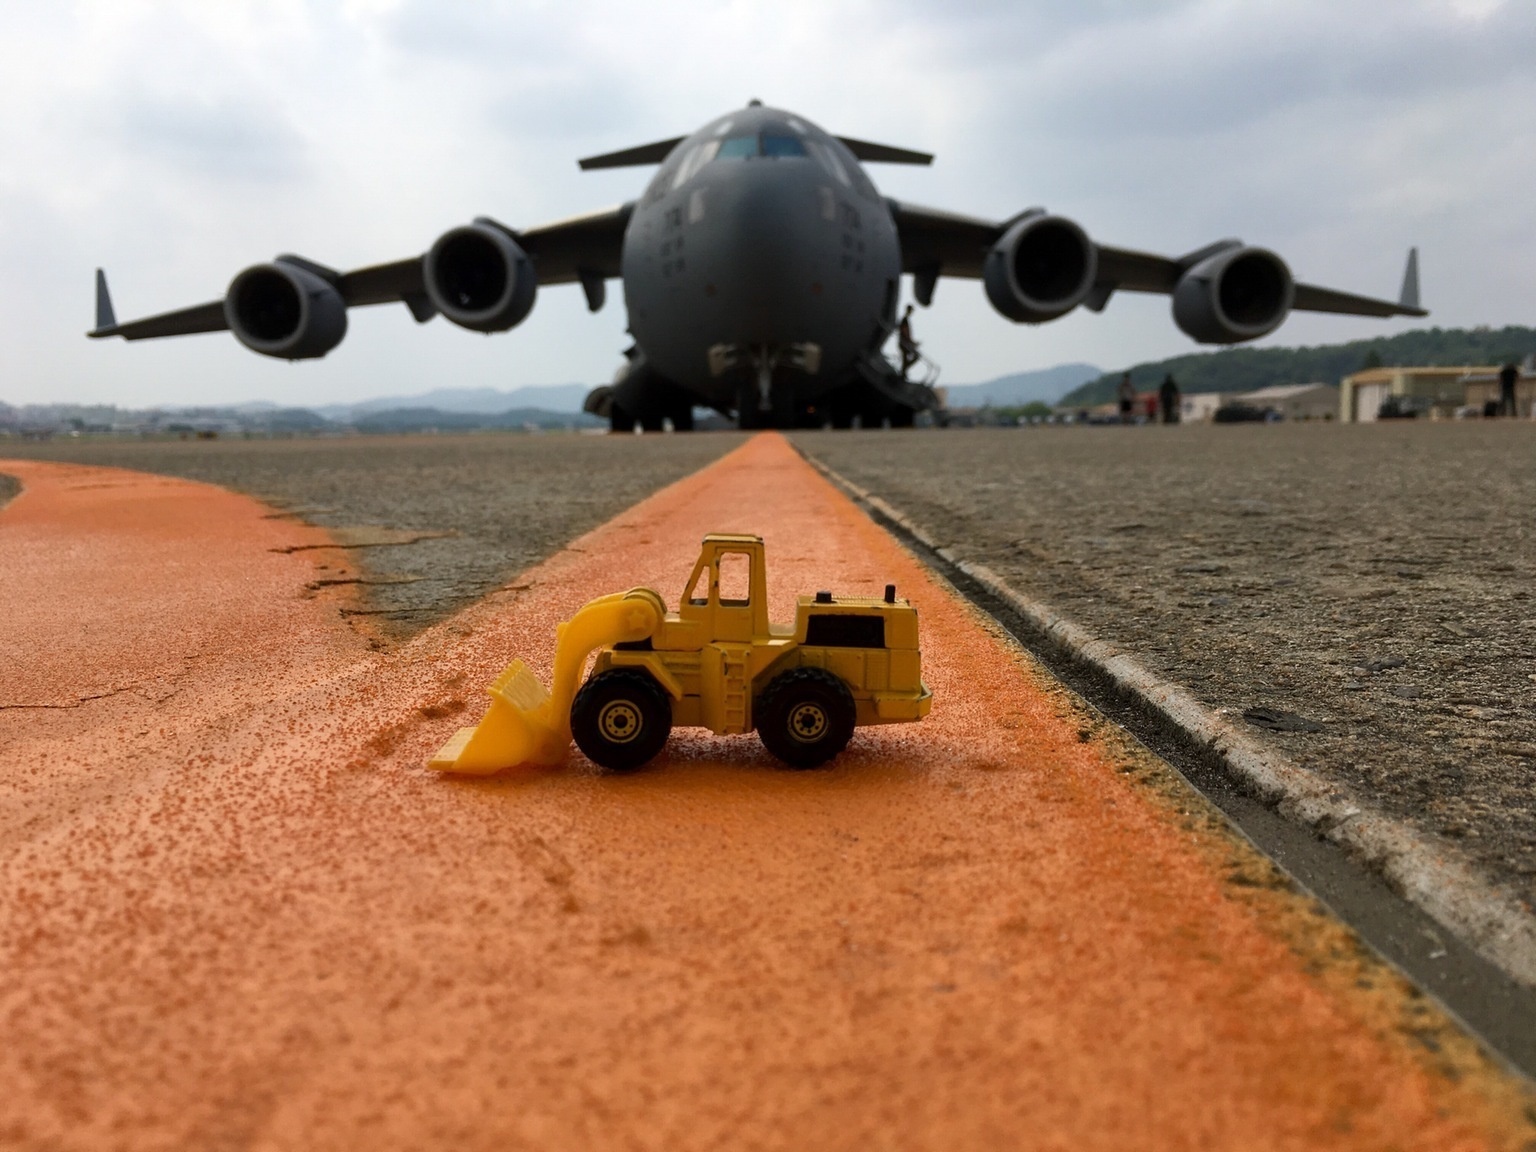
(526, 724)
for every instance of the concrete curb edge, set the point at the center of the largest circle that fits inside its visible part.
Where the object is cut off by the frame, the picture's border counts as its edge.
(1432, 876)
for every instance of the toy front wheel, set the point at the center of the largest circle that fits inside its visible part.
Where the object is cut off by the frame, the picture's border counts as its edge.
(805, 717)
(621, 718)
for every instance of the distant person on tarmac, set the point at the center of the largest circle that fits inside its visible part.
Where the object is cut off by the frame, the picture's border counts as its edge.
(1508, 376)
(905, 343)
(1127, 399)
(1168, 397)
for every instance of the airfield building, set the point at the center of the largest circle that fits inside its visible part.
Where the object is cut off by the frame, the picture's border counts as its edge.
(1482, 388)
(1291, 401)
(1314, 401)
(1195, 407)
(1431, 391)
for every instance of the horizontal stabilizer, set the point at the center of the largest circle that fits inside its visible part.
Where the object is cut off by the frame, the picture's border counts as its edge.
(885, 153)
(632, 157)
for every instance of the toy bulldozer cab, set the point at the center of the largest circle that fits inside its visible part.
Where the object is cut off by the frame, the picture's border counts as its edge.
(717, 663)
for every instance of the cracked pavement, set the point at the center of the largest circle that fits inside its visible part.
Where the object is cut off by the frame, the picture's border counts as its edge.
(434, 522)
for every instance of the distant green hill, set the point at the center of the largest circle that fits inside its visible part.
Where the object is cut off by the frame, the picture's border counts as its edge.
(1244, 369)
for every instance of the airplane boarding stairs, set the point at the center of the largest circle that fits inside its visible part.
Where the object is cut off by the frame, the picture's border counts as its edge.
(903, 396)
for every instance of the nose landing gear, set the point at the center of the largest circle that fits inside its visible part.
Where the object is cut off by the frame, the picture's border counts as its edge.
(765, 393)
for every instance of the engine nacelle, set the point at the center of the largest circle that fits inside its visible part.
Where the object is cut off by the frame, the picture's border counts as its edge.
(1236, 295)
(282, 310)
(480, 279)
(1042, 268)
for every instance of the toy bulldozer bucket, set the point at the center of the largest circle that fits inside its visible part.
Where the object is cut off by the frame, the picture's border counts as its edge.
(516, 729)
(526, 724)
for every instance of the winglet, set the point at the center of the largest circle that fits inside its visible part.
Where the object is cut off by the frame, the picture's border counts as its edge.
(106, 320)
(1409, 298)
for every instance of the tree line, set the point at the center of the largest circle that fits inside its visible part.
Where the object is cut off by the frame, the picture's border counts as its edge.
(1247, 369)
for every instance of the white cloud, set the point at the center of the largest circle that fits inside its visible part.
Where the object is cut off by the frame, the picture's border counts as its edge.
(176, 142)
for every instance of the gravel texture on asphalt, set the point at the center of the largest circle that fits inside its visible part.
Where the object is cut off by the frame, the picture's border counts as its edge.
(430, 523)
(1364, 594)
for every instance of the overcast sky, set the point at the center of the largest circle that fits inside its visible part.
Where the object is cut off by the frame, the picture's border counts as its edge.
(174, 143)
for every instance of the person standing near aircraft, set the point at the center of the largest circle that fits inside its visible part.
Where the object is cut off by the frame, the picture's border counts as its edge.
(1127, 399)
(1509, 375)
(906, 343)
(1168, 397)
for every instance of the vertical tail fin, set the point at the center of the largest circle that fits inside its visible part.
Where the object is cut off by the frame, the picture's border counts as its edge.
(1410, 294)
(106, 320)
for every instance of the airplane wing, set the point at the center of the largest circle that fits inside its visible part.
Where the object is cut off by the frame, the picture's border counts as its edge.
(566, 249)
(930, 237)
(938, 243)
(1126, 270)
(583, 249)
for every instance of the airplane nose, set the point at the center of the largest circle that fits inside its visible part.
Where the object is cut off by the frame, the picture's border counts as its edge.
(765, 228)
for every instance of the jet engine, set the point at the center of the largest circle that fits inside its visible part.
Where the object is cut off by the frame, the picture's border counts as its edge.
(1042, 268)
(283, 310)
(479, 278)
(1238, 294)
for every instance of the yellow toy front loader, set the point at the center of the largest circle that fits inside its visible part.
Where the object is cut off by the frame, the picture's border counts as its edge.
(715, 663)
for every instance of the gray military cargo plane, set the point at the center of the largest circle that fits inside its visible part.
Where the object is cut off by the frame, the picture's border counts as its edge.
(761, 272)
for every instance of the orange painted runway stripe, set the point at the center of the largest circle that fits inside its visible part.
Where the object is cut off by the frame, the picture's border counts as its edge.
(266, 924)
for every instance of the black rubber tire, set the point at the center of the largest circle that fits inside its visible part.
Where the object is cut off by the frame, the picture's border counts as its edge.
(872, 419)
(805, 717)
(748, 415)
(619, 420)
(903, 417)
(784, 411)
(621, 719)
(682, 420)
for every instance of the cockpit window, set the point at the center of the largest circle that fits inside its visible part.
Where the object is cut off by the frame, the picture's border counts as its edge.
(662, 181)
(772, 142)
(846, 168)
(830, 162)
(737, 147)
(698, 156)
(777, 144)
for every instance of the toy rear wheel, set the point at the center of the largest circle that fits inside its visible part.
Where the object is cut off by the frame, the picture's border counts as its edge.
(805, 717)
(621, 719)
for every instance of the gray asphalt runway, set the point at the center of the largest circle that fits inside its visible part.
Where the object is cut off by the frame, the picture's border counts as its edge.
(433, 522)
(1365, 593)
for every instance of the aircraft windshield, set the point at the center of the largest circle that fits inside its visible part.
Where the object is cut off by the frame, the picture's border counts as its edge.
(771, 142)
(737, 147)
(775, 144)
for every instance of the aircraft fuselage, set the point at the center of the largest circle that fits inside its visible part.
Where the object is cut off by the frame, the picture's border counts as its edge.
(760, 259)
